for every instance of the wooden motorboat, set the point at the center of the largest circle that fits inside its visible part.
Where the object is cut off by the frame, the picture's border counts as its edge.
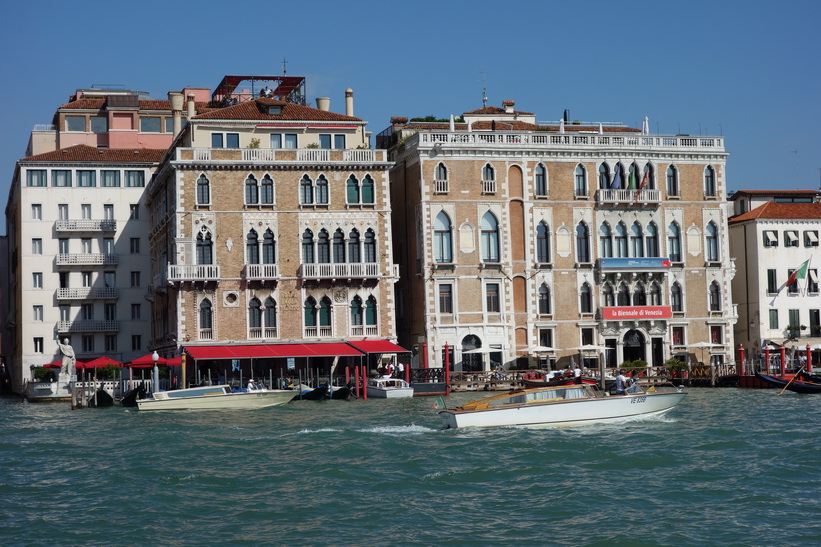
(389, 388)
(215, 397)
(799, 384)
(559, 406)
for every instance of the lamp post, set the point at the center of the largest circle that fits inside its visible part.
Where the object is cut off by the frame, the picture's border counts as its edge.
(156, 372)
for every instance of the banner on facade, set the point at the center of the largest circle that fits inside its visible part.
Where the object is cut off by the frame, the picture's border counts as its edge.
(634, 263)
(637, 312)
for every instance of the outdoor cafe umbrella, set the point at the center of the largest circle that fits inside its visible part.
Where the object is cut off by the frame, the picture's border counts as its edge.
(59, 364)
(702, 346)
(99, 362)
(540, 349)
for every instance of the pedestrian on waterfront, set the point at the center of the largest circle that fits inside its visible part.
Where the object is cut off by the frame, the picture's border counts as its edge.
(621, 383)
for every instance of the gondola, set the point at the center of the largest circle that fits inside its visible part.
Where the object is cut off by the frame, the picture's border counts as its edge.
(799, 384)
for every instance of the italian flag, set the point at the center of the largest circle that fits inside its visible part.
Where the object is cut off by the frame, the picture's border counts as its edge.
(800, 273)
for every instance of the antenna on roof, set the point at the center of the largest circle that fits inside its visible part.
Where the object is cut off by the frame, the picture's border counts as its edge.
(284, 70)
(484, 88)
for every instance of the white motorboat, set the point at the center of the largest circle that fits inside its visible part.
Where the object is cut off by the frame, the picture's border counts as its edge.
(213, 398)
(389, 388)
(559, 406)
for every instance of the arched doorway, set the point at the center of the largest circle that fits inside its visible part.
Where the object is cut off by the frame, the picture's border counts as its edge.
(634, 346)
(471, 358)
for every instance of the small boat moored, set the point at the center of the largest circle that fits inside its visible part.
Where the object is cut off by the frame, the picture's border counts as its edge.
(559, 406)
(214, 398)
(389, 388)
(800, 383)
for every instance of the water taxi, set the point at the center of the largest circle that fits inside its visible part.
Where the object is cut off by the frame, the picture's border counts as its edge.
(214, 398)
(389, 388)
(559, 406)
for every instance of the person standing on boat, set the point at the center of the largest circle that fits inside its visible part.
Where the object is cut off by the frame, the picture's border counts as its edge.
(251, 385)
(621, 383)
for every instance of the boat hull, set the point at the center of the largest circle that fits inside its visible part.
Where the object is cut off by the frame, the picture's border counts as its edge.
(795, 385)
(572, 412)
(219, 401)
(389, 393)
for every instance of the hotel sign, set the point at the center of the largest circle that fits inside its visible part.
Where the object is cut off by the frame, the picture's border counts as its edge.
(626, 313)
(634, 263)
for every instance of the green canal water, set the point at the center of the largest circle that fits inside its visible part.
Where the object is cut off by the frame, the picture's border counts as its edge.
(725, 467)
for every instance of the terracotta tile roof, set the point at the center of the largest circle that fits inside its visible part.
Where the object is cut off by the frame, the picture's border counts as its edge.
(497, 110)
(504, 125)
(519, 126)
(83, 153)
(791, 193)
(257, 110)
(84, 104)
(781, 211)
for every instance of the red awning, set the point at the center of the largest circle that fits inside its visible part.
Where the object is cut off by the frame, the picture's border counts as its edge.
(329, 349)
(98, 362)
(59, 364)
(377, 346)
(146, 361)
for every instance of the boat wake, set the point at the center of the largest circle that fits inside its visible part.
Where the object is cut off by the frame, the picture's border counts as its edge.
(398, 430)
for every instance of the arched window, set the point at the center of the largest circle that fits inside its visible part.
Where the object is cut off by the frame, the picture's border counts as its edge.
(252, 248)
(206, 316)
(442, 239)
(605, 241)
(655, 294)
(709, 181)
(488, 173)
(354, 252)
(715, 296)
(639, 296)
(352, 186)
(267, 190)
(308, 247)
(624, 294)
(306, 190)
(604, 176)
(712, 242)
(441, 172)
(541, 181)
(269, 254)
(618, 177)
(323, 247)
(255, 315)
(368, 195)
(582, 243)
(356, 312)
(322, 190)
(203, 191)
(310, 312)
(542, 243)
(621, 240)
(544, 300)
(370, 246)
(674, 242)
(490, 238)
(676, 300)
(370, 311)
(672, 181)
(636, 243)
(649, 174)
(339, 246)
(251, 190)
(270, 317)
(205, 249)
(580, 181)
(325, 312)
(608, 296)
(651, 240)
(633, 177)
(586, 299)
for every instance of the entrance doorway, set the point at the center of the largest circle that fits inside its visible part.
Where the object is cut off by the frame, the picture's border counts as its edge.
(634, 346)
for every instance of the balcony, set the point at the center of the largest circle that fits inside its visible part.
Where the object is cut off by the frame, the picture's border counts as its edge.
(87, 259)
(261, 333)
(440, 186)
(193, 272)
(86, 225)
(628, 197)
(368, 330)
(87, 325)
(319, 332)
(367, 270)
(260, 272)
(88, 293)
(489, 186)
(279, 155)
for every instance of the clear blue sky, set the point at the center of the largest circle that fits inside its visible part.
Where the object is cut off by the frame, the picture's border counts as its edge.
(747, 70)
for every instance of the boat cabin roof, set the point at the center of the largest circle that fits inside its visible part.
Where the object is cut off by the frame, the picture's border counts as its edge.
(535, 396)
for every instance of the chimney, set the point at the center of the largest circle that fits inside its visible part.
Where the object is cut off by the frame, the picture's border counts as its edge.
(508, 106)
(323, 103)
(192, 109)
(349, 102)
(176, 100)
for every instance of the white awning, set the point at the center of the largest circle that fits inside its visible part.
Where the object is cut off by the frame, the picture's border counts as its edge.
(812, 237)
(791, 238)
(771, 238)
(813, 276)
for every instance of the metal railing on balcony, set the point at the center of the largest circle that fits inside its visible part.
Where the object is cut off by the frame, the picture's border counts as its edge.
(267, 155)
(441, 186)
(356, 270)
(87, 293)
(193, 272)
(628, 196)
(488, 186)
(260, 271)
(318, 332)
(86, 225)
(88, 325)
(87, 259)
(365, 330)
(206, 334)
(259, 333)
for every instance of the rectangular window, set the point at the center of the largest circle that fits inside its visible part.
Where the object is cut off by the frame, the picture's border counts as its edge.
(811, 239)
(62, 245)
(290, 140)
(716, 334)
(587, 336)
(773, 319)
(76, 123)
(108, 211)
(108, 245)
(38, 345)
(339, 142)
(111, 311)
(135, 211)
(795, 324)
(36, 211)
(492, 297)
(62, 211)
(85, 211)
(88, 343)
(150, 124)
(37, 280)
(135, 245)
(812, 281)
(37, 313)
(546, 338)
(678, 336)
(36, 177)
(770, 238)
(61, 178)
(136, 342)
(791, 238)
(169, 124)
(99, 124)
(772, 282)
(135, 279)
(279, 140)
(815, 323)
(232, 140)
(87, 311)
(110, 179)
(86, 179)
(445, 298)
(325, 141)
(65, 313)
(111, 342)
(36, 246)
(86, 279)
(136, 311)
(134, 179)
(216, 140)
(85, 245)
(110, 279)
